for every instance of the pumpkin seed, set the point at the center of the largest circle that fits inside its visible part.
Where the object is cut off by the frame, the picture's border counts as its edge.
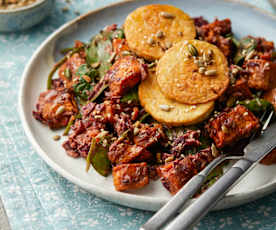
(167, 15)
(210, 72)
(192, 50)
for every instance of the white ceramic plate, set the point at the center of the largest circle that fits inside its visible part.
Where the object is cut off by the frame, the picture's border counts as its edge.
(245, 19)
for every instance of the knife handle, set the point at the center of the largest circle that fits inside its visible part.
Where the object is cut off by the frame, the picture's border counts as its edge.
(191, 215)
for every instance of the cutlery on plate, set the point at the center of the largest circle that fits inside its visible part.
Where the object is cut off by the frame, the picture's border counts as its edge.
(257, 149)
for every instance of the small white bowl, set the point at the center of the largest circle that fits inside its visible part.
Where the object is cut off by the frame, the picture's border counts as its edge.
(24, 17)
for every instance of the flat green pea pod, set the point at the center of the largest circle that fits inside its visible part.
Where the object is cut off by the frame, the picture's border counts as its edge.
(97, 157)
(256, 105)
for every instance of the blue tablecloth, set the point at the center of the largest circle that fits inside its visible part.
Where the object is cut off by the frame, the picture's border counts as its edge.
(35, 197)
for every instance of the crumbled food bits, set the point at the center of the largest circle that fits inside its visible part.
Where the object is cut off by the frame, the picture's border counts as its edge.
(167, 15)
(56, 137)
(13, 4)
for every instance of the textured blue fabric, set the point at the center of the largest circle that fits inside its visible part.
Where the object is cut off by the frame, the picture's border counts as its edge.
(35, 197)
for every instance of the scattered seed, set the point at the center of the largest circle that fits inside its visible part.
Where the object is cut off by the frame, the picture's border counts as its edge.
(169, 159)
(65, 9)
(151, 41)
(235, 71)
(180, 33)
(160, 34)
(249, 55)
(95, 65)
(258, 102)
(201, 70)
(56, 137)
(135, 131)
(125, 53)
(112, 56)
(224, 129)
(166, 108)
(67, 73)
(192, 50)
(60, 110)
(214, 150)
(210, 72)
(167, 15)
(151, 65)
(86, 78)
(158, 158)
(210, 53)
(266, 65)
(168, 45)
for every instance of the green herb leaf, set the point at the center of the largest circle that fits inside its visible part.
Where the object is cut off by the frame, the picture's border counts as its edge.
(256, 105)
(131, 96)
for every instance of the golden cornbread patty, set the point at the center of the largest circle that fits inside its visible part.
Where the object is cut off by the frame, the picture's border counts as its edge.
(193, 72)
(150, 30)
(169, 111)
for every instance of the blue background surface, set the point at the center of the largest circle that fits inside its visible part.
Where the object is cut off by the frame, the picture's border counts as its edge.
(35, 197)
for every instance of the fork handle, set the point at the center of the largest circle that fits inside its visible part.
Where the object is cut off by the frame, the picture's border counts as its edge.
(171, 208)
(191, 215)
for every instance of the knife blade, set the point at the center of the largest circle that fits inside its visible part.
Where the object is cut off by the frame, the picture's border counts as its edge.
(262, 145)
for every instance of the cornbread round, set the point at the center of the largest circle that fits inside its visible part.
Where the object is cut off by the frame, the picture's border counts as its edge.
(179, 76)
(150, 30)
(169, 111)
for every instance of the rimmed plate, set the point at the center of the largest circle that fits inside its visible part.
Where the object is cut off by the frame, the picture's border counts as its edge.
(245, 20)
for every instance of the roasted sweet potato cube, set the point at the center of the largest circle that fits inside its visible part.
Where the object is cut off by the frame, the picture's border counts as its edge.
(130, 176)
(177, 173)
(124, 74)
(261, 73)
(55, 107)
(240, 89)
(229, 127)
(148, 135)
(270, 96)
(119, 45)
(120, 153)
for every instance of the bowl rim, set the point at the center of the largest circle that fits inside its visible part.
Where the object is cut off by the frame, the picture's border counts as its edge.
(23, 8)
